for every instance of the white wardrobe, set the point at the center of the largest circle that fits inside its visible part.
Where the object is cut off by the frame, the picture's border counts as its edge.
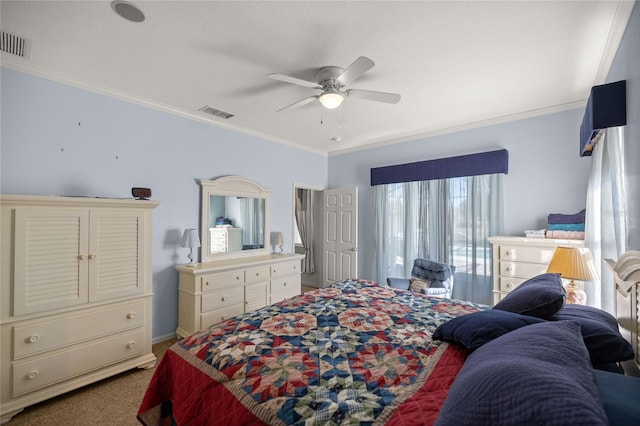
(76, 288)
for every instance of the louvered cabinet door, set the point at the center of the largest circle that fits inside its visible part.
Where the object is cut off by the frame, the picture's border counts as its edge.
(50, 259)
(116, 254)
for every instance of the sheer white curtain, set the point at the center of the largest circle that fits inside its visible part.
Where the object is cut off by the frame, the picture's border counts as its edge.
(607, 213)
(306, 227)
(446, 220)
(252, 217)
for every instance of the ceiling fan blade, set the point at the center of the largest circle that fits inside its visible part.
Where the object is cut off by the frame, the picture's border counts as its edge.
(299, 103)
(390, 98)
(355, 70)
(293, 80)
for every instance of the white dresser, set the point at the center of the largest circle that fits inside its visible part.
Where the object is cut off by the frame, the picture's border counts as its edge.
(214, 291)
(75, 295)
(516, 259)
(225, 239)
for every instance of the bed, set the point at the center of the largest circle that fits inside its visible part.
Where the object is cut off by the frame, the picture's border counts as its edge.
(362, 353)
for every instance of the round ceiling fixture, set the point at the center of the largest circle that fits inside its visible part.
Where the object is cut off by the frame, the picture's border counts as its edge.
(127, 10)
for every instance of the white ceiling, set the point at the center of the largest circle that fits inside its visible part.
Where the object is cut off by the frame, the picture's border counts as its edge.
(456, 64)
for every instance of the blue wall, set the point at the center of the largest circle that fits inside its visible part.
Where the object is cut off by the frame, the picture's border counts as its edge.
(546, 174)
(60, 140)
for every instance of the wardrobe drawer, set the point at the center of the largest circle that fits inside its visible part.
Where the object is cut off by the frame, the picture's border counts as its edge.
(219, 315)
(527, 254)
(521, 269)
(74, 328)
(46, 370)
(212, 282)
(509, 283)
(284, 269)
(223, 297)
(255, 275)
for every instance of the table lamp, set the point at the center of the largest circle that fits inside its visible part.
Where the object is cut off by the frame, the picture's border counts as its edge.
(191, 240)
(573, 263)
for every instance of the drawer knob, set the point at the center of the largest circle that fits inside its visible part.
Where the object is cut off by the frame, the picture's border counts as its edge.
(81, 257)
(508, 269)
(274, 270)
(92, 256)
(257, 274)
(224, 317)
(131, 345)
(237, 277)
(509, 253)
(131, 315)
(206, 284)
(223, 298)
(284, 283)
(509, 285)
(33, 339)
(32, 374)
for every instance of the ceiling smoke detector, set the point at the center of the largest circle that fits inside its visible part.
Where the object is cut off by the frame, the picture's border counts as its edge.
(127, 10)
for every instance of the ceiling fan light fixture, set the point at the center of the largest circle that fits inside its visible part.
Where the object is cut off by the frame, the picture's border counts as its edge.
(331, 99)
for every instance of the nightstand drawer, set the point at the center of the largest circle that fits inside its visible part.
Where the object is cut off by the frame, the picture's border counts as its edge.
(223, 297)
(44, 371)
(224, 279)
(527, 254)
(521, 269)
(509, 283)
(64, 331)
(255, 275)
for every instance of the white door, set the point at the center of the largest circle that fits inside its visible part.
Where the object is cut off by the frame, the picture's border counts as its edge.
(340, 235)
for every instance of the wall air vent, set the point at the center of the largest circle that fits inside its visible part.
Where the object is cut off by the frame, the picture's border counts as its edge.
(14, 44)
(216, 112)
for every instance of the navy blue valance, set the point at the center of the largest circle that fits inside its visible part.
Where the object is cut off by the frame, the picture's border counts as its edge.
(606, 107)
(483, 163)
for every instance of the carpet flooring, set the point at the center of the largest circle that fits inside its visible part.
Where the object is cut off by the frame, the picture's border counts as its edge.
(112, 401)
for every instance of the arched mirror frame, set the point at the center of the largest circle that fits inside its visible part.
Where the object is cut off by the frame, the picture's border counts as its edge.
(231, 186)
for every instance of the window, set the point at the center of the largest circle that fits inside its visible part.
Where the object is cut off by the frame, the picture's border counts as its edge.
(447, 220)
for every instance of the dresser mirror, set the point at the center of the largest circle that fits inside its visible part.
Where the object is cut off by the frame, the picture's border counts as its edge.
(235, 218)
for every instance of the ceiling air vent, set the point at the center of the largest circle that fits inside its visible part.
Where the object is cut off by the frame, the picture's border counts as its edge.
(216, 112)
(15, 45)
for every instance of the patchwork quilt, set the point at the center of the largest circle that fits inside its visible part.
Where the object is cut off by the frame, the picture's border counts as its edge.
(353, 353)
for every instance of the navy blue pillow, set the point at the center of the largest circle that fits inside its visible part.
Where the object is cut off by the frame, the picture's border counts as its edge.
(536, 375)
(476, 329)
(540, 296)
(599, 331)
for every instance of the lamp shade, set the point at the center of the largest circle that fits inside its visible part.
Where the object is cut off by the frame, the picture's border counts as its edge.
(190, 238)
(573, 263)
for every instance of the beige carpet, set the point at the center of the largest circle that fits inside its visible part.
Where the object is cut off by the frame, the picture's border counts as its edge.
(113, 401)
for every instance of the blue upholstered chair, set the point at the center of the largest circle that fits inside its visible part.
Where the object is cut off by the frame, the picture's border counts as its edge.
(439, 274)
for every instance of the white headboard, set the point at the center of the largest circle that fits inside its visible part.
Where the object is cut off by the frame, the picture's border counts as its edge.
(626, 272)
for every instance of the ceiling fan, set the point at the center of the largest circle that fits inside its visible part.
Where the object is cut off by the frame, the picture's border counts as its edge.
(332, 81)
